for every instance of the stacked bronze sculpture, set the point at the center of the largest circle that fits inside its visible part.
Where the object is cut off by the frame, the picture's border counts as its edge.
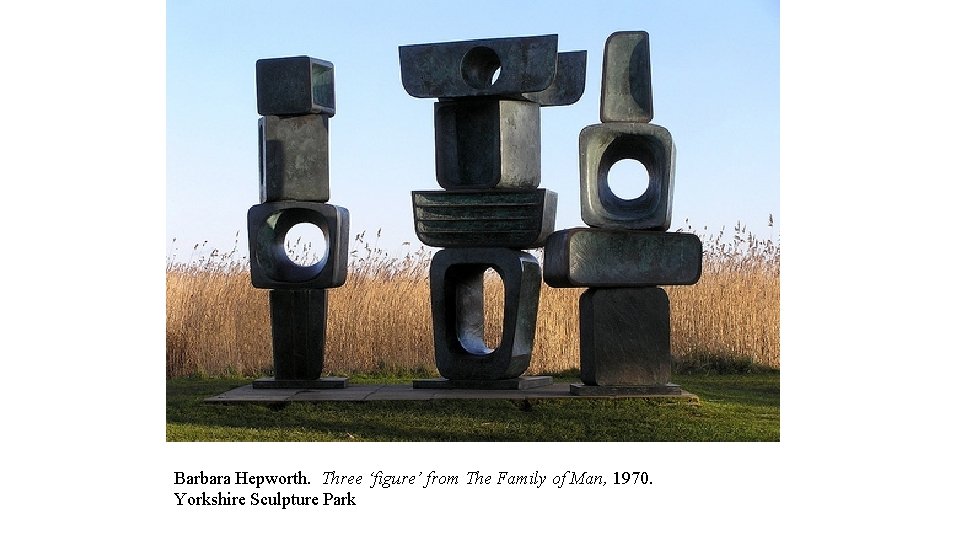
(295, 98)
(626, 253)
(491, 209)
(487, 126)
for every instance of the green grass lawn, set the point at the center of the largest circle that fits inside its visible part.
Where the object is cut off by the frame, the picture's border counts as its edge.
(733, 407)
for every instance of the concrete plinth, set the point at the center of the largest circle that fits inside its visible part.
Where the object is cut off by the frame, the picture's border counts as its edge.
(405, 392)
(579, 389)
(519, 383)
(323, 382)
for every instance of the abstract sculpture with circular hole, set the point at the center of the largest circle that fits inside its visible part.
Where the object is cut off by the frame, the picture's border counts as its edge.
(603, 145)
(487, 127)
(271, 267)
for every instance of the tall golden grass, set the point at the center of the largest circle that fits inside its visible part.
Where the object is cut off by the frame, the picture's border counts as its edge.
(218, 324)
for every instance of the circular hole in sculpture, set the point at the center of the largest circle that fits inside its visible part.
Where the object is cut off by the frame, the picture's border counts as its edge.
(305, 244)
(480, 67)
(628, 179)
(493, 302)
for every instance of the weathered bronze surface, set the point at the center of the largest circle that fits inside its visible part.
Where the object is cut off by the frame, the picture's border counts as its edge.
(568, 85)
(516, 219)
(625, 337)
(617, 258)
(294, 158)
(601, 146)
(271, 268)
(626, 93)
(298, 319)
(295, 85)
(487, 143)
(456, 300)
(482, 67)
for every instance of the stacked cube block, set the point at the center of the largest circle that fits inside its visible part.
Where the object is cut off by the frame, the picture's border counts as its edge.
(625, 254)
(295, 98)
(491, 208)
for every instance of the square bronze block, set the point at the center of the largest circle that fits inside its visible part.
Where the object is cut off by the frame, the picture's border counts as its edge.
(456, 300)
(294, 158)
(488, 143)
(489, 218)
(617, 258)
(603, 145)
(267, 228)
(626, 93)
(625, 337)
(295, 85)
(481, 67)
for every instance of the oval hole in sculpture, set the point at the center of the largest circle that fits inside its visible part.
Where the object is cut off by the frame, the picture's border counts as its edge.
(492, 308)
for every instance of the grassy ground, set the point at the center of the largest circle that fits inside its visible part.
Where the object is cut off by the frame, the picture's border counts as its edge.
(733, 407)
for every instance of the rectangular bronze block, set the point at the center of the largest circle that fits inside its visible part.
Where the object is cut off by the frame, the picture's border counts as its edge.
(294, 158)
(615, 258)
(295, 85)
(299, 321)
(456, 301)
(625, 337)
(271, 267)
(488, 143)
(481, 67)
(626, 93)
(603, 145)
(495, 218)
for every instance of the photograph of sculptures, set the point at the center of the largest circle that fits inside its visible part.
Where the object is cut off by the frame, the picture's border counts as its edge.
(517, 309)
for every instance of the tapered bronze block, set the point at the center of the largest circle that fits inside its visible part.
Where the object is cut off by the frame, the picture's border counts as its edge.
(626, 93)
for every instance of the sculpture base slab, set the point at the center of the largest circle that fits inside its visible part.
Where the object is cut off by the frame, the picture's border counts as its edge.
(579, 389)
(323, 382)
(520, 383)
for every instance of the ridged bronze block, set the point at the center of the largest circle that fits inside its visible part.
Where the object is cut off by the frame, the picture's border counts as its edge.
(491, 218)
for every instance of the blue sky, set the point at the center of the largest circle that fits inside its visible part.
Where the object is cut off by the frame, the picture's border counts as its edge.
(716, 88)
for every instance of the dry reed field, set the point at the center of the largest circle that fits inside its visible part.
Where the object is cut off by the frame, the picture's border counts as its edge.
(218, 324)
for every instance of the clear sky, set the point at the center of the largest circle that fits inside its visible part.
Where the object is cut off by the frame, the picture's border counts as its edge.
(715, 68)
